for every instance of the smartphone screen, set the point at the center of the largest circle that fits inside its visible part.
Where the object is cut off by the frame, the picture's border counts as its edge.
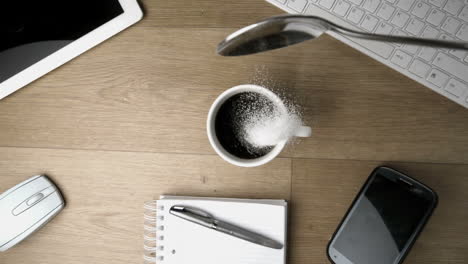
(382, 222)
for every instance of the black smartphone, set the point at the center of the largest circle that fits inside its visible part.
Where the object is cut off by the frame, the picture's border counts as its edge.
(383, 221)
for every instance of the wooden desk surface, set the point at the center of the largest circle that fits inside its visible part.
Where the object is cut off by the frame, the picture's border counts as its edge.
(125, 123)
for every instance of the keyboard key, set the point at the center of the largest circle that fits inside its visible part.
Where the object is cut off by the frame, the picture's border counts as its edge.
(421, 9)
(384, 28)
(377, 47)
(371, 5)
(438, 78)
(369, 22)
(386, 11)
(435, 17)
(419, 68)
(405, 4)
(341, 8)
(401, 59)
(429, 32)
(413, 49)
(450, 25)
(400, 19)
(463, 32)
(455, 87)
(398, 32)
(327, 3)
(454, 6)
(452, 65)
(427, 53)
(447, 38)
(297, 5)
(458, 53)
(355, 15)
(415, 26)
(357, 2)
(437, 3)
(464, 14)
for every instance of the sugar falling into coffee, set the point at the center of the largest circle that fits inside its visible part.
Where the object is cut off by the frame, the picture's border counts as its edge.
(269, 129)
(265, 124)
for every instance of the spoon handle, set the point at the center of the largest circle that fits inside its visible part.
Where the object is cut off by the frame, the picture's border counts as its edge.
(400, 39)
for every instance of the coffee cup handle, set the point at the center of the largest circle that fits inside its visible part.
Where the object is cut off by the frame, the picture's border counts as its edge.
(303, 131)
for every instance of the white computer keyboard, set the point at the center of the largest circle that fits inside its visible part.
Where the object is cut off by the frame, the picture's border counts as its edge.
(442, 70)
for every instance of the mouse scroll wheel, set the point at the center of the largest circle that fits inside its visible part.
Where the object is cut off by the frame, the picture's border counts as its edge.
(40, 195)
(36, 198)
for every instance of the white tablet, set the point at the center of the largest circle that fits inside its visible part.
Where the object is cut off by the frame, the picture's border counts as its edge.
(39, 36)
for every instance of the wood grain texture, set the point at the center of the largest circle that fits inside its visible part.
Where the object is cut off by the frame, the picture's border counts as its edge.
(324, 189)
(149, 89)
(105, 191)
(205, 13)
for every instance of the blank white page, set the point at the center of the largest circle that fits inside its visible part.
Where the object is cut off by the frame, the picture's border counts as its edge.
(187, 243)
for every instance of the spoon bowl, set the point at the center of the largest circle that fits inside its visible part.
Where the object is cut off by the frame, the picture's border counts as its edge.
(273, 33)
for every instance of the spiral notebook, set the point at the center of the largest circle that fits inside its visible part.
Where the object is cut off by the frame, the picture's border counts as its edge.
(171, 240)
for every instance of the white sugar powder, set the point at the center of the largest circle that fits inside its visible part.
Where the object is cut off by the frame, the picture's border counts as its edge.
(264, 125)
(269, 129)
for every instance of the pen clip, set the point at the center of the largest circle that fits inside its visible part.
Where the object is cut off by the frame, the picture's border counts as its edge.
(198, 212)
(180, 209)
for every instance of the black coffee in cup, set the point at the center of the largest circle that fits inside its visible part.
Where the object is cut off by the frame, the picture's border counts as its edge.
(229, 121)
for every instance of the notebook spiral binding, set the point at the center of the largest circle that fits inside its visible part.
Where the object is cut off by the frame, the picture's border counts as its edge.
(153, 233)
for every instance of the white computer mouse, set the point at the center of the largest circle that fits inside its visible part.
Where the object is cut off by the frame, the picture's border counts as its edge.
(27, 207)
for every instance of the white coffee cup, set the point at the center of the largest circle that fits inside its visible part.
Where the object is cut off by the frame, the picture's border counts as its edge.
(303, 131)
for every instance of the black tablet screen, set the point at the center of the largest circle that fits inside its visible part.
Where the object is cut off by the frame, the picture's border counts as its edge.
(32, 30)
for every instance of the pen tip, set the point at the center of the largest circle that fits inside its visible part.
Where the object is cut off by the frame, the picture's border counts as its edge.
(273, 244)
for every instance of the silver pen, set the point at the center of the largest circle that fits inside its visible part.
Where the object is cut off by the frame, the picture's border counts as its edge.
(200, 217)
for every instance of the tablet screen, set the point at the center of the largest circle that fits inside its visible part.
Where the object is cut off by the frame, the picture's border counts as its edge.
(32, 30)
